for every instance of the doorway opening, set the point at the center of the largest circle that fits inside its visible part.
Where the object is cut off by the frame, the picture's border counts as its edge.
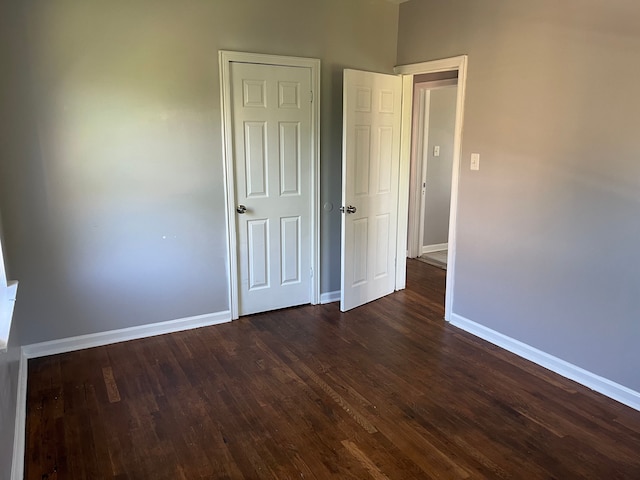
(419, 228)
(433, 131)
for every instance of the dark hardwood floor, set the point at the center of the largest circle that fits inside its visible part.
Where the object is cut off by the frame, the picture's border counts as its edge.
(387, 391)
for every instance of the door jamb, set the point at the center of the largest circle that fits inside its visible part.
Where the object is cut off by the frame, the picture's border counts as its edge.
(225, 59)
(418, 162)
(458, 63)
(424, 165)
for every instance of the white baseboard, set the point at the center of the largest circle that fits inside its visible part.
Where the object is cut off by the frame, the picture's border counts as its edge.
(330, 297)
(595, 382)
(17, 463)
(64, 345)
(436, 247)
(70, 344)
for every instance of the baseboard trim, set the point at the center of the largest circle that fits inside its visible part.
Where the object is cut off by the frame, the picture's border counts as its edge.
(436, 247)
(80, 342)
(17, 462)
(330, 297)
(602, 385)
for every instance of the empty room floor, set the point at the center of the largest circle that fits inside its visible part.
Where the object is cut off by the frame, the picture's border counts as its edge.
(386, 391)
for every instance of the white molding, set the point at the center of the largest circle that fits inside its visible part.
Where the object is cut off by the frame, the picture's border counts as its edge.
(606, 387)
(423, 162)
(419, 131)
(229, 186)
(404, 175)
(8, 292)
(330, 297)
(8, 295)
(437, 84)
(225, 58)
(413, 216)
(432, 66)
(436, 247)
(3, 270)
(455, 180)
(80, 342)
(17, 463)
(458, 63)
(315, 184)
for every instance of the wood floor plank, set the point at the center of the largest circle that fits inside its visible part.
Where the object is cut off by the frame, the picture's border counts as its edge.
(386, 391)
(110, 384)
(371, 467)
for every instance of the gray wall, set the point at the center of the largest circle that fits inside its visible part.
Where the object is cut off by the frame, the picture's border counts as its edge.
(16, 122)
(114, 210)
(548, 228)
(442, 122)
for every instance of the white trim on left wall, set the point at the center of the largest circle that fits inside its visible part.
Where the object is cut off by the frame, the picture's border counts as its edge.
(17, 462)
(80, 342)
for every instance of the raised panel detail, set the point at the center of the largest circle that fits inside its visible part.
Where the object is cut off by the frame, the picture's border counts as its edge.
(258, 246)
(360, 250)
(385, 152)
(290, 249)
(289, 94)
(363, 99)
(386, 101)
(255, 158)
(382, 245)
(289, 158)
(362, 159)
(254, 93)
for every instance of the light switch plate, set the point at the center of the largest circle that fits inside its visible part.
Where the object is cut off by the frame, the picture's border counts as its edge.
(436, 151)
(475, 161)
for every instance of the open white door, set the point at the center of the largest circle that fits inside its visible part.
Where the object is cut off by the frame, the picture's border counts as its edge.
(370, 167)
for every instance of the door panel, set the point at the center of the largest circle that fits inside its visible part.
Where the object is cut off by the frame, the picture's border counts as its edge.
(359, 246)
(255, 159)
(382, 245)
(271, 117)
(290, 158)
(258, 251)
(362, 159)
(291, 249)
(371, 153)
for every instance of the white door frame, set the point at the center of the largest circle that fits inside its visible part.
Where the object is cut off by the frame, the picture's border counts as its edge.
(418, 166)
(408, 71)
(225, 59)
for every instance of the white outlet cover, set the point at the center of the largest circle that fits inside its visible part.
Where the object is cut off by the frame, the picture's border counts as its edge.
(475, 161)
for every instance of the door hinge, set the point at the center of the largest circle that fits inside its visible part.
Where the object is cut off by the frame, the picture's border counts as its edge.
(311, 272)
(311, 96)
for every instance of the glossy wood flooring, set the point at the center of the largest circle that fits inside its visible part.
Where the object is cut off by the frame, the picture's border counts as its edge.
(387, 391)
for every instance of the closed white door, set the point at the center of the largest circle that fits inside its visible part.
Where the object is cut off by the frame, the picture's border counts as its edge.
(370, 168)
(271, 119)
